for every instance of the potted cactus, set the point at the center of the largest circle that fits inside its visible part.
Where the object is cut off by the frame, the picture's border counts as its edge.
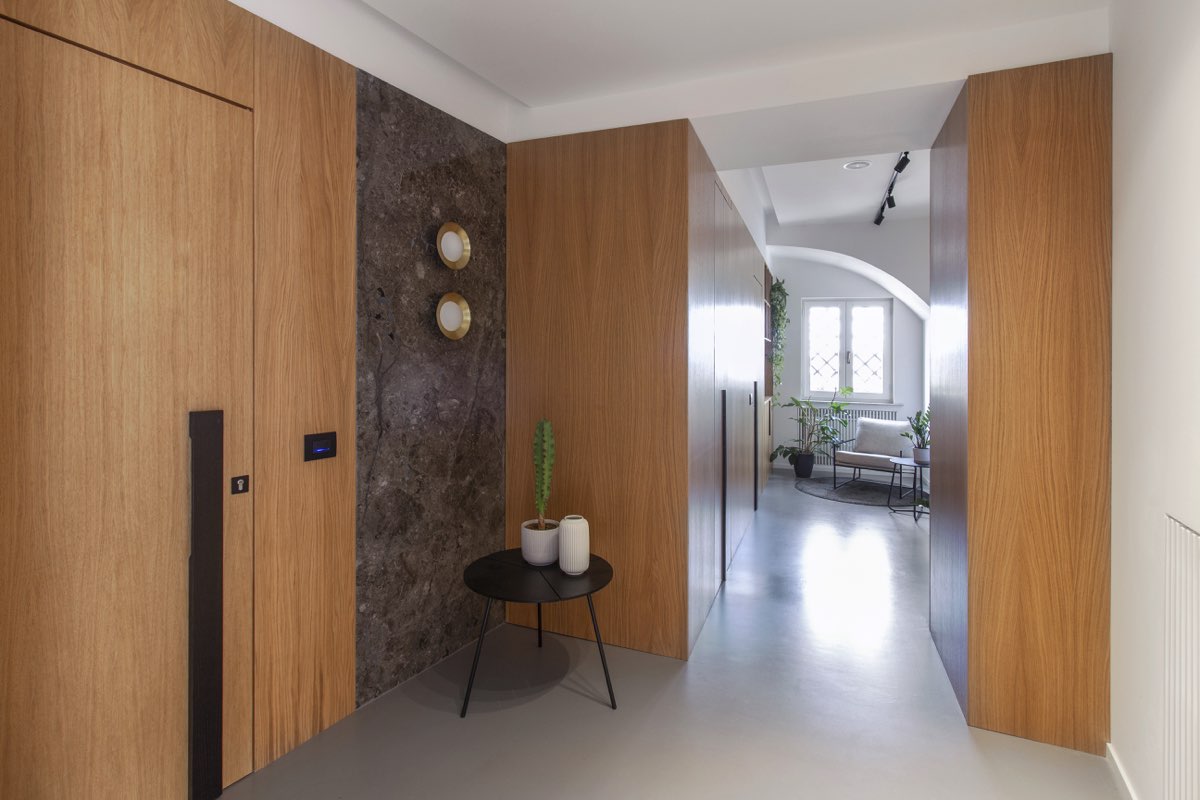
(539, 537)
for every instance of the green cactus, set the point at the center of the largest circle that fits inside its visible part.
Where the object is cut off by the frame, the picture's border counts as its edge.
(543, 468)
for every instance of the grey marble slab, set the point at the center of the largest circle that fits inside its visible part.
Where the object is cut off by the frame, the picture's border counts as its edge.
(430, 410)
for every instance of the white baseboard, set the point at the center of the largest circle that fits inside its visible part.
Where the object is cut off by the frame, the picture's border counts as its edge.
(1118, 772)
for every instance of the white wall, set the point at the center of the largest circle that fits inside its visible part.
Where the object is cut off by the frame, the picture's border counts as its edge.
(812, 279)
(898, 246)
(1156, 352)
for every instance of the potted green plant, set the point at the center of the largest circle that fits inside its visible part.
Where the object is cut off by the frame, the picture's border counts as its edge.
(818, 428)
(919, 436)
(539, 537)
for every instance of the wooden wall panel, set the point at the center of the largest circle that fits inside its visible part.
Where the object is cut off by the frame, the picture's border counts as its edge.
(948, 397)
(1039, 403)
(725, 341)
(125, 244)
(304, 383)
(704, 395)
(597, 342)
(738, 346)
(208, 44)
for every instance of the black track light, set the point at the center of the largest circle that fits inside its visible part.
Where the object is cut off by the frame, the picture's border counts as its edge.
(888, 200)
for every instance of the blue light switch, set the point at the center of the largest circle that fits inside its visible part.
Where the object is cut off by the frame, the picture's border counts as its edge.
(320, 445)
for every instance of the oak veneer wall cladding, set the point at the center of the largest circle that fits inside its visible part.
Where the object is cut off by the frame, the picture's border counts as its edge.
(206, 44)
(430, 410)
(223, 154)
(617, 311)
(1022, 267)
(704, 445)
(597, 343)
(948, 395)
(739, 364)
(120, 323)
(304, 361)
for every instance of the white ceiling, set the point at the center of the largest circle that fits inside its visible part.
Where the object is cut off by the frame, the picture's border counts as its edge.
(822, 191)
(545, 52)
(571, 49)
(903, 119)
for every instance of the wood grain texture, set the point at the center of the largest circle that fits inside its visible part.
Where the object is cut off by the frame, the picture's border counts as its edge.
(768, 383)
(738, 342)
(304, 383)
(126, 246)
(208, 44)
(704, 396)
(1040, 254)
(948, 397)
(597, 343)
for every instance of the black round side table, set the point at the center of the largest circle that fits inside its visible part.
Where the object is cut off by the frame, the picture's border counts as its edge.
(506, 576)
(920, 503)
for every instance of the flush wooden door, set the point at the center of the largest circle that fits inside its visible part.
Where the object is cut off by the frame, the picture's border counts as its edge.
(126, 258)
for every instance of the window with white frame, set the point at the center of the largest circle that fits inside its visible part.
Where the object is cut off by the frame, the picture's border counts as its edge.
(848, 344)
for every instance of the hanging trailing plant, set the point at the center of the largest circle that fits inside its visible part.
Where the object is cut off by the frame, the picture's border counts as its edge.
(779, 321)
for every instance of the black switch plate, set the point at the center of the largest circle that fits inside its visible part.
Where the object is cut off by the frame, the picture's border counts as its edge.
(239, 485)
(320, 445)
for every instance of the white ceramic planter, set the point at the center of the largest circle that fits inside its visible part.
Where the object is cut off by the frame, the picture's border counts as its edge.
(539, 548)
(574, 545)
(921, 455)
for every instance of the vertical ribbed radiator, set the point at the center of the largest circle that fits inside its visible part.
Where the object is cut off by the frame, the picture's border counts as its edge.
(1182, 635)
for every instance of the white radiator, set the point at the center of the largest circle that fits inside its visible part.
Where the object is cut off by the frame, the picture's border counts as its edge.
(853, 415)
(1182, 603)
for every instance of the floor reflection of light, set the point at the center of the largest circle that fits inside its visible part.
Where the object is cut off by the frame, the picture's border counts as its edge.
(847, 582)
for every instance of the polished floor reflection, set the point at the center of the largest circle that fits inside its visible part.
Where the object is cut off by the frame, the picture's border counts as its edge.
(814, 678)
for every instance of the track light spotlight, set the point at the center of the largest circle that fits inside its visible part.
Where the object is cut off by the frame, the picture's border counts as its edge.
(888, 200)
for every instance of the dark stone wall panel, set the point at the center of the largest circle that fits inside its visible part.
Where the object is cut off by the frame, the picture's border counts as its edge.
(430, 410)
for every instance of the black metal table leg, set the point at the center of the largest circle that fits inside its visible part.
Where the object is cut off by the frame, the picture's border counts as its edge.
(612, 698)
(487, 610)
(892, 485)
(922, 495)
(916, 497)
(539, 605)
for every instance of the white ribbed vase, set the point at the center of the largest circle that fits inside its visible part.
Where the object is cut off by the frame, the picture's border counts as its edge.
(574, 545)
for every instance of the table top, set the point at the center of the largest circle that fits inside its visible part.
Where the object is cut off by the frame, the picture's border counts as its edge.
(908, 462)
(506, 576)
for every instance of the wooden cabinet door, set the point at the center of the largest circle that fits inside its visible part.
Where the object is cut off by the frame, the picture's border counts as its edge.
(126, 258)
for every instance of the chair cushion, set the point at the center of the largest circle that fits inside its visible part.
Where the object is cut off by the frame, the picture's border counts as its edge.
(881, 437)
(850, 458)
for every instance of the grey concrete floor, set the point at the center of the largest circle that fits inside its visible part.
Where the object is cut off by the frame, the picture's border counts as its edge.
(814, 677)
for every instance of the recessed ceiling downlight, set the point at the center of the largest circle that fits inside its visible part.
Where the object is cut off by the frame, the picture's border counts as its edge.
(856, 165)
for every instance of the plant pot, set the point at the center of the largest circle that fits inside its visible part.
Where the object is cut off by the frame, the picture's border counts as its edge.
(539, 548)
(803, 464)
(574, 545)
(921, 455)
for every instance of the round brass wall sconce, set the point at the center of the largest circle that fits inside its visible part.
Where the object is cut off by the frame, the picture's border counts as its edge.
(453, 315)
(454, 246)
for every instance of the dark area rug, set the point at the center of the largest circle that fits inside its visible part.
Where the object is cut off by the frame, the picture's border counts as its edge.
(862, 493)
